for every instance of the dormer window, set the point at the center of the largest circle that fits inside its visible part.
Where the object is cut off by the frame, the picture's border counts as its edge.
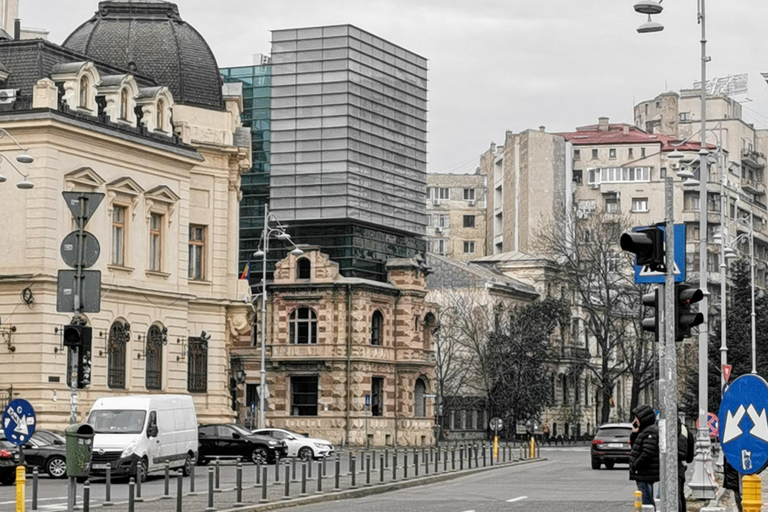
(160, 115)
(124, 104)
(84, 85)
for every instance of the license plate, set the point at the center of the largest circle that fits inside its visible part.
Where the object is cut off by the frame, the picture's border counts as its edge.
(100, 466)
(615, 445)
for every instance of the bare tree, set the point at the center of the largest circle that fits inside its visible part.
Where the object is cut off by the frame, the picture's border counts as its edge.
(592, 266)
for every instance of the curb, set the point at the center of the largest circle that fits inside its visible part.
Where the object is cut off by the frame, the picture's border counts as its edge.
(378, 489)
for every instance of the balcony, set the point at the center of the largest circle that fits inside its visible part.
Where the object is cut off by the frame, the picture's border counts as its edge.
(753, 186)
(753, 158)
(573, 352)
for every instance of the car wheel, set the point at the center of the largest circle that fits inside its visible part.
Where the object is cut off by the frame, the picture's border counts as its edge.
(609, 465)
(56, 467)
(144, 465)
(595, 463)
(259, 455)
(186, 470)
(8, 478)
(306, 453)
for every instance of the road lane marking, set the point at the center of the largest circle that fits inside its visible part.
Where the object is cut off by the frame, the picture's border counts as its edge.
(63, 498)
(519, 498)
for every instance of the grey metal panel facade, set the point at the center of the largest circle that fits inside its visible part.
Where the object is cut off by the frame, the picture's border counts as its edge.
(349, 129)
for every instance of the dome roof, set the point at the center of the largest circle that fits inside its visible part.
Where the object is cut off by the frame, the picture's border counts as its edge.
(150, 38)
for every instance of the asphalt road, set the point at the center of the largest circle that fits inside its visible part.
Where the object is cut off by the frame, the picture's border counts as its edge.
(564, 483)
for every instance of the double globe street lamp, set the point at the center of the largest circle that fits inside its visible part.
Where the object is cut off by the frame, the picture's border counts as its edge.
(279, 233)
(24, 158)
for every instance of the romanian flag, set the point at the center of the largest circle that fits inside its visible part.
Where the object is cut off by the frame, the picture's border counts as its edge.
(247, 271)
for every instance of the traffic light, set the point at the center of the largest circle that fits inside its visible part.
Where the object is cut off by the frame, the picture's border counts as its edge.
(648, 245)
(73, 335)
(84, 360)
(651, 324)
(685, 296)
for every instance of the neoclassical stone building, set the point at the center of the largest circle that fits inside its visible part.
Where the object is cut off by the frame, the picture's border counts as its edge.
(332, 340)
(145, 121)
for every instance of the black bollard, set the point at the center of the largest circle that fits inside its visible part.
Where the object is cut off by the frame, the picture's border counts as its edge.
(210, 507)
(437, 460)
(453, 459)
(337, 474)
(381, 468)
(461, 458)
(309, 469)
(476, 456)
(167, 483)
(373, 460)
(484, 452)
(394, 466)
(426, 461)
(277, 472)
(139, 478)
(180, 491)
(353, 473)
(386, 457)
(239, 485)
(258, 475)
(218, 475)
(320, 466)
(293, 469)
(415, 462)
(131, 487)
(287, 494)
(349, 462)
(263, 485)
(445, 460)
(107, 488)
(87, 496)
(304, 478)
(35, 476)
(367, 470)
(192, 479)
(405, 465)
(324, 460)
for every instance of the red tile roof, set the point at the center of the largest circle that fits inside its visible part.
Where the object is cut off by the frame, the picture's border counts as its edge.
(591, 135)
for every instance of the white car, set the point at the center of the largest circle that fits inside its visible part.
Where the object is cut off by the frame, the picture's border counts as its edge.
(306, 448)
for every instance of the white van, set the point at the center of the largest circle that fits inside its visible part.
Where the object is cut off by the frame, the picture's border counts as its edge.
(146, 430)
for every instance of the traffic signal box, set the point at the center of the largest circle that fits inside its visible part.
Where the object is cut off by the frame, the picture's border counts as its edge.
(685, 296)
(648, 246)
(651, 324)
(79, 336)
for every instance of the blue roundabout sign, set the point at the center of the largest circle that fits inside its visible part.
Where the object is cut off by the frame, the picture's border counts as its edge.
(744, 424)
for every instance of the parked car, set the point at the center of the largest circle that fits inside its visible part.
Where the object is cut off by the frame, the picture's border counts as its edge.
(306, 448)
(47, 452)
(143, 431)
(231, 441)
(9, 459)
(611, 445)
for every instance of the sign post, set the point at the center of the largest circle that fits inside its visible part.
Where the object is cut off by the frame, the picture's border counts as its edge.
(367, 408)
(80, 250)
(496, 425)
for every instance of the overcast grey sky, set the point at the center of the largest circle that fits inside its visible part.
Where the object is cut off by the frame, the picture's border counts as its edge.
(498, 64)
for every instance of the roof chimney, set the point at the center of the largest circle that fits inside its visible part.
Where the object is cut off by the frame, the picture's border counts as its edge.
(625, 129)
(602, 124)
(542, 128)
(17, 29)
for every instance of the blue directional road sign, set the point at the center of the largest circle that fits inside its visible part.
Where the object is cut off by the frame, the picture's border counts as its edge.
(19, 421)
(644, 275)
(367, 400)
(744, 424)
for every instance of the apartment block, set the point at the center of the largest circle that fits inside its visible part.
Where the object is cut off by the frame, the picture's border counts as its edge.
(456, 215)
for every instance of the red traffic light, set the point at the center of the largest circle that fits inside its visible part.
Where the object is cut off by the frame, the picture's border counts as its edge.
(685, 296)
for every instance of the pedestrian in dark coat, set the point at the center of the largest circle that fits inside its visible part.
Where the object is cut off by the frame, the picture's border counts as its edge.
(731, 481)
(686, 450)
(644, 458)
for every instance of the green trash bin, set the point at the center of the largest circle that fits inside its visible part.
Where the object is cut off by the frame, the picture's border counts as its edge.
(79, 445)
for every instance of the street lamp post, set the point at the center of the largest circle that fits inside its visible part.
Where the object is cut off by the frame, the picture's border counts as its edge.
(702, 485)
(280, 234)
(24, 158)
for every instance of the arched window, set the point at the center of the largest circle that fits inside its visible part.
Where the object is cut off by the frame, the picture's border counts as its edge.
(430, 322)
(419, 402)
(124, 103)
(377, 324)
(303, 327)
(160, 115)
(119, 335)
(84, 84)
(154, 357)
(197, 365)
(303, 269)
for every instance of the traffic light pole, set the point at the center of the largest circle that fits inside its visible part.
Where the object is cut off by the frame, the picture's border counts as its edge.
(668, 365)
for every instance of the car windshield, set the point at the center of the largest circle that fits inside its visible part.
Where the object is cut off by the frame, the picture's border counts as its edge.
(4, 443)
(621, 432)
(44, 438)
(117, 422)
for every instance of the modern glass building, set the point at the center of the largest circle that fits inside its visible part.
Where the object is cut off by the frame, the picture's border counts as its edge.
(348, 145)
(255, 183)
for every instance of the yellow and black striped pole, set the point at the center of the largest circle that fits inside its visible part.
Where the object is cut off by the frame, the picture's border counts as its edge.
(21, 481)
(751, 493)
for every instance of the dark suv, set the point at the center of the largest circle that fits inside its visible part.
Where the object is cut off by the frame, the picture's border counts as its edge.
(232, 441)
(611, 445)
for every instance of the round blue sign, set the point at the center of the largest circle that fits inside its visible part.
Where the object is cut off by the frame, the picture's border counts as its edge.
(19, 421)
(744, 424)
